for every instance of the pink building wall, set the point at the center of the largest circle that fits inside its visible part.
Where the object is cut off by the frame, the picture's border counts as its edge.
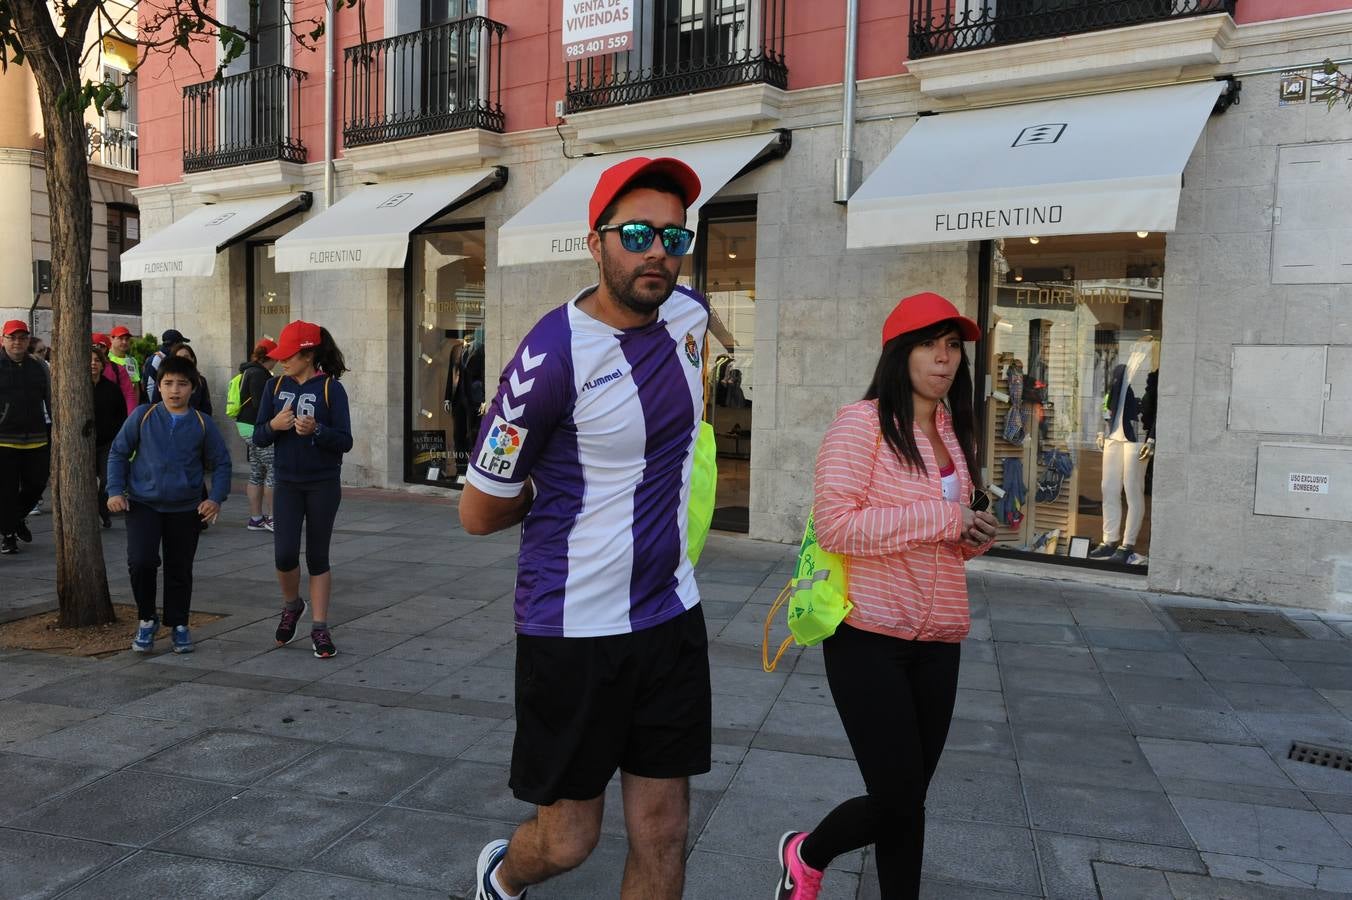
(533, 75)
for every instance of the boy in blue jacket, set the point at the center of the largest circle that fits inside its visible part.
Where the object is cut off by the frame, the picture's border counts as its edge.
(155, 472)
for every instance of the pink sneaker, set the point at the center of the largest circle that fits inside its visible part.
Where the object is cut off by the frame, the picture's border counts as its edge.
(797, 880)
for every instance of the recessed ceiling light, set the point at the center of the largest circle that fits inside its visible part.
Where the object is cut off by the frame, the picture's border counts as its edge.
(1034, 240)
(1143, 234)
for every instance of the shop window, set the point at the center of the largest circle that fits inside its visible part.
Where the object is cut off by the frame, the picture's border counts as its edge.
(1072, 390)
(728, 278)
(124, 232)
(446, 384)
(269, 295)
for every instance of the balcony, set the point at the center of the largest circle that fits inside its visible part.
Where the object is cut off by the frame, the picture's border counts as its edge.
(952, 26)
(683, 47)
(118, 147)
(444, 78)
(241, 119)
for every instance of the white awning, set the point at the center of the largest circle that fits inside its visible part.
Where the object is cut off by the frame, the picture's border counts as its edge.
(188, 247)
(553, 226)
(1082, 165)
(369, 228)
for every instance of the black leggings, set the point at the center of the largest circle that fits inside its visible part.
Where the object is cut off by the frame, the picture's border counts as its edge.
(313, 504)
(895, 699)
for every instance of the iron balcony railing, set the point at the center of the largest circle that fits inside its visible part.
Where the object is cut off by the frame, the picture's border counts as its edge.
(240, 119)
(117, 149)
(951, 26)
(446, 77)
(685, 46)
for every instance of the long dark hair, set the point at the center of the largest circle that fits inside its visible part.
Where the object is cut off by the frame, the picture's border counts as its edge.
(198, 378)
(327, 357)
(891, 387)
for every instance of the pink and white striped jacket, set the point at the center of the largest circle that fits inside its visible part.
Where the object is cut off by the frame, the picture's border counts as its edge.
(902, 540)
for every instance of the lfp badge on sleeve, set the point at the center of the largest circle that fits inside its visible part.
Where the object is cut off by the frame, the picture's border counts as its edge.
(596, 27)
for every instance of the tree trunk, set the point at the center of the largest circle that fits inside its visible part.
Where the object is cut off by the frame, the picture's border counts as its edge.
(81, 581)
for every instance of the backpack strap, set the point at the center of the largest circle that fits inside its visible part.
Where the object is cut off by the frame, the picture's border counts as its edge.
(142, 423)
(327, 379)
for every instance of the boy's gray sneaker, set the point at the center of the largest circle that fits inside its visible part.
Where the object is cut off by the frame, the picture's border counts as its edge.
(182, 639)
(144, 641)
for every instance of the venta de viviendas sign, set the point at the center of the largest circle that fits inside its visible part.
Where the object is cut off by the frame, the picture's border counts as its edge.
(596, 27)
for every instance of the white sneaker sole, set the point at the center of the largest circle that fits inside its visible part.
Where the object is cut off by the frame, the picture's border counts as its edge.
(481, 867)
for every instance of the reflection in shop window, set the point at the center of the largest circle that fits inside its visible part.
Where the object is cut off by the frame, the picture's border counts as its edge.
(269, 293)
(1073, 357)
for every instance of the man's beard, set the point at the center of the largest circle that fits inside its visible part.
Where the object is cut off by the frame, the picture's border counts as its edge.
(623, 286)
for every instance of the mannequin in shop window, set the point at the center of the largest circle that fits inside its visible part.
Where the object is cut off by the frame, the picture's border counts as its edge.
(460, 436)
(1128, 445)
(465, 393)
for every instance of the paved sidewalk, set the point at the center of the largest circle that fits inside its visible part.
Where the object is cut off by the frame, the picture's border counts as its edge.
(1097, 750)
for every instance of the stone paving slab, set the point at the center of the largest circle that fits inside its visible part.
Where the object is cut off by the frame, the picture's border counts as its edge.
(1096, 750)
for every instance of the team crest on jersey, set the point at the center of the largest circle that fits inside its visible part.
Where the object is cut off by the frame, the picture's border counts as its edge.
(691, 349)
(502, 448)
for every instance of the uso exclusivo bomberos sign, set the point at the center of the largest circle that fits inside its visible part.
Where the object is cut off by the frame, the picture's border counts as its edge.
(595, 27)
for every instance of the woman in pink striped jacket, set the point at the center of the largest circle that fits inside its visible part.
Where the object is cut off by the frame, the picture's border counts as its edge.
(892, 493)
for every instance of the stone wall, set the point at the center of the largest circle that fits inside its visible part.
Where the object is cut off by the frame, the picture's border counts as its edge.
(1219, 294)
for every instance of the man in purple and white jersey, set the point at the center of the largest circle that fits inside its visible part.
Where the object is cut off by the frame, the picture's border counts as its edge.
(589, 444)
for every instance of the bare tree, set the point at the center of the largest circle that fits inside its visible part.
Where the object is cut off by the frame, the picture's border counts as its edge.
(52, 40)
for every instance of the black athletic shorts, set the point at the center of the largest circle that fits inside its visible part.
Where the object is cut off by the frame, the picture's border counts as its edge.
(586, 706)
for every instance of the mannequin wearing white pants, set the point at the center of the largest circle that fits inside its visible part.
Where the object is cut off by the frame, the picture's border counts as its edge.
(1125, 458)
(1123, 469)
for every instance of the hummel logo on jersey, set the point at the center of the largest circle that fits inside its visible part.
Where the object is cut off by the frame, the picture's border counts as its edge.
(600, 380)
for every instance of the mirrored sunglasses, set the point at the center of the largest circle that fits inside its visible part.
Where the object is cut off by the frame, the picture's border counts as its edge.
(637, 237)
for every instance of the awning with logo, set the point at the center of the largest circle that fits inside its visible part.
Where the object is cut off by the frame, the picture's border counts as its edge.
(188, 247)
(553, 226)
(1080, 165)
(369, 228)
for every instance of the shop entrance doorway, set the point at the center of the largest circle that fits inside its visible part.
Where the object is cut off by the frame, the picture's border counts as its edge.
(726, 274)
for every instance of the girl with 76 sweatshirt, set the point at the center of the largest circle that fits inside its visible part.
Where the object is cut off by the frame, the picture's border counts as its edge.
(304, 414)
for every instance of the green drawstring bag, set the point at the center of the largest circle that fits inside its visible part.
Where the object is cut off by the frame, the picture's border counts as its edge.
(816, 596)
(703, 487)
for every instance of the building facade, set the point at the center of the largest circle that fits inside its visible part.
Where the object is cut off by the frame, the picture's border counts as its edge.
(25, 233)
(1142, 204)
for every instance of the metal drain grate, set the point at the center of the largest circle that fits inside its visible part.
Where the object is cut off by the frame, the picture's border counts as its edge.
(1315, 755)
(1199, 620)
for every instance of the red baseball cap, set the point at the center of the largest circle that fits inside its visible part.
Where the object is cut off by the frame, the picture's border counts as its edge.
(267, 344)
(120, 331)
(15, 326)
(295, 337)
(613, 181)
(922, 310)
(101, 339)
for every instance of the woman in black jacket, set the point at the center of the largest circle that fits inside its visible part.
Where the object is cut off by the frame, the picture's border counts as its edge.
(110, 411)
(201, 394)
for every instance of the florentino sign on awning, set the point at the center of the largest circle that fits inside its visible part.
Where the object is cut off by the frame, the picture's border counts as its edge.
(188, 247)
(1081, 165)
(553, 226)
(369, 228)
